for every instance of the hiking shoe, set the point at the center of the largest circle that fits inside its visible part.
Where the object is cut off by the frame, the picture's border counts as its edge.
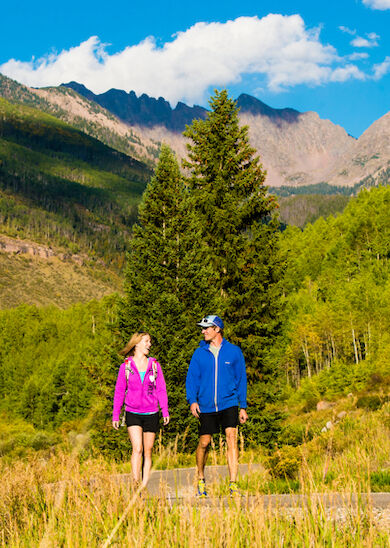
(202, 493)
(233, 488)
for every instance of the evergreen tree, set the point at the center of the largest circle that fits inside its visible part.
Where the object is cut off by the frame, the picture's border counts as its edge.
(234, 215)
(165, 281)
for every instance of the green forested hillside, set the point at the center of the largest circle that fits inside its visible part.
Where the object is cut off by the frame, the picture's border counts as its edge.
(337, 287)
(298, 210)
(60, 187)
(55, 367)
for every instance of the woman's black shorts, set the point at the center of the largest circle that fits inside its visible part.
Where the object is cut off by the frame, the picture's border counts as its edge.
(148, 423)
(211, 423)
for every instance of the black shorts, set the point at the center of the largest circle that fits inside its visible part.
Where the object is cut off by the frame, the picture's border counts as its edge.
(211, 423)
(148, 423)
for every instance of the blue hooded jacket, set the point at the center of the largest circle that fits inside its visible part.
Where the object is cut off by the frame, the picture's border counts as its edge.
(217, 384)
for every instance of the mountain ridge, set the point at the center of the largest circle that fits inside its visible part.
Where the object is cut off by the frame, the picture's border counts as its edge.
(149, 112)
(296, 148)
(143, 110)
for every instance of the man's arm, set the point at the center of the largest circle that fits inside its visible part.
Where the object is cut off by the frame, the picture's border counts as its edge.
(241, 381)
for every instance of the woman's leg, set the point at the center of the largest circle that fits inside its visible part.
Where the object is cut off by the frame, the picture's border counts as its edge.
(135, 435)
(148, 439)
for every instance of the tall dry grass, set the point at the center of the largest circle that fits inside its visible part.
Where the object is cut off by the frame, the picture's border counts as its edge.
(63, 500)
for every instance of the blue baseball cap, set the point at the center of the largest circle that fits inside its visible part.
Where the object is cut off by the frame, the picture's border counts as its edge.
(210, 321)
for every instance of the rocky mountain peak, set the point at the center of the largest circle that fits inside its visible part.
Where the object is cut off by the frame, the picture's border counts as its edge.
(143, 111)
(249, 104)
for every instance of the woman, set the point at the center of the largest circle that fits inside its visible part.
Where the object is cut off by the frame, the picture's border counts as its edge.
(141, 386)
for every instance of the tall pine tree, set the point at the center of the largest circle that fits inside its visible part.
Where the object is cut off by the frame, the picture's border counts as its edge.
(166, 282)
(235, 217)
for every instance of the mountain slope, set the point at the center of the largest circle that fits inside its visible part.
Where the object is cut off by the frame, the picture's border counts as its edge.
(54, 279)
(87, 116)
(71, 194)
(368, 158)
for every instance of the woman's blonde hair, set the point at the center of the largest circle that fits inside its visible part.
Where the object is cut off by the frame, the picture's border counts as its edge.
(136, 337)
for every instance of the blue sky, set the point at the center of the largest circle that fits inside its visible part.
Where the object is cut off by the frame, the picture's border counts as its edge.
(333, 57)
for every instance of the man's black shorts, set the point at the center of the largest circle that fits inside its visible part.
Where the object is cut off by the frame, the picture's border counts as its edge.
(211, 423)
(148, 423)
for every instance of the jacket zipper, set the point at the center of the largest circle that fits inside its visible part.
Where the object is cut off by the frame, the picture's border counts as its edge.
(216, 382)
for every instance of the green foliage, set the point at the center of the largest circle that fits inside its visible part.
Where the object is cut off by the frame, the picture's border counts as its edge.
(307, 208)
(285, 462)
(319, 188)
(55, 366)
(19, 437)
(380, 481)
(371, 402)
(338, 295)
(238, 230)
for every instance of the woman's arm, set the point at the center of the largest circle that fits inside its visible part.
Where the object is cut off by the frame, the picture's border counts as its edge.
(119, 395)
(161, 391)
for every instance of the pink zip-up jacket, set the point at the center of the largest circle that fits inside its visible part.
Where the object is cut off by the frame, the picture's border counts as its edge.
(140, 397)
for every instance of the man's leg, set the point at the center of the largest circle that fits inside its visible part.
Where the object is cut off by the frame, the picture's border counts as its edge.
(232, 452)
(201, 454)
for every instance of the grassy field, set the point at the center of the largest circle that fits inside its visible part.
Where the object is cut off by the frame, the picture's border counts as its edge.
(64, 498)
(43, 282)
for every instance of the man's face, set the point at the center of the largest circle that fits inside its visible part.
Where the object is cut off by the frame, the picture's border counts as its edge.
(210, 333)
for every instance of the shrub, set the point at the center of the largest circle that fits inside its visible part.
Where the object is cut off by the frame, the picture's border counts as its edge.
(371, 403)
(285, 462)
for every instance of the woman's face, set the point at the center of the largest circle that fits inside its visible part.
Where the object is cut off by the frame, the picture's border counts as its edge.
(144, 344)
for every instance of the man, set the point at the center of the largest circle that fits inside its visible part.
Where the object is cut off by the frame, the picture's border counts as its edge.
(216, 391)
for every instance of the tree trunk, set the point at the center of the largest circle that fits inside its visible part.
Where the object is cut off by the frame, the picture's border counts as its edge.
(354, 343)
(306, 354)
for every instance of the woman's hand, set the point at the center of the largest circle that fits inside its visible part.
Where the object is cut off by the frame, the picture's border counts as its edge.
(115, 424)
(166, 420)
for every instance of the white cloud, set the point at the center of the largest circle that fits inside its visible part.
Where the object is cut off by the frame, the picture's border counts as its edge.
(279, 49)
(347, 30)
(377, 4)
(369, 42)
(342, 74)
(357, 56)
(382, 69)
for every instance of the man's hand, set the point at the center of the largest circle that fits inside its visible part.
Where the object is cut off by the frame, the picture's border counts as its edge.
(115, 424)
(195, 409)
(166, 420)
(243, 416)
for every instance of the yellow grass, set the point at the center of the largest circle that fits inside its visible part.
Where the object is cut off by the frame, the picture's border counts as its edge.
(68, 500)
